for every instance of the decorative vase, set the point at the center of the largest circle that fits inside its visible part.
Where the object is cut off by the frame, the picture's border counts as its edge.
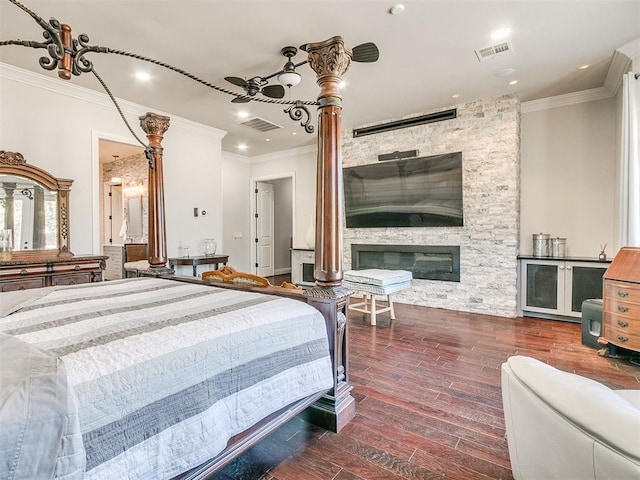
(210, 246)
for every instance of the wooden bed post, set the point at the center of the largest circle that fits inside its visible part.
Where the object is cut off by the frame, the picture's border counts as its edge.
(155, 126)
(330, 60)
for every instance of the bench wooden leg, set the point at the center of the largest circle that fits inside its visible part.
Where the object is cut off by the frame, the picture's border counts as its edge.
(373, 309)
(392, 312)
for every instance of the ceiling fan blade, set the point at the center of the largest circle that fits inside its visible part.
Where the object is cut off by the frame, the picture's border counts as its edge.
(365, 53)
(240, 82)
(241, 100)
(273, 91)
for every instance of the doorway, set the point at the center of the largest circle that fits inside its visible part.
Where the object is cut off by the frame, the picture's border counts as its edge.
(272, 225)
(122, 177)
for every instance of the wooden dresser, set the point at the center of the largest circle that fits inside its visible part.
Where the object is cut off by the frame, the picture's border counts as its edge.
(621, 301)
(37, 273)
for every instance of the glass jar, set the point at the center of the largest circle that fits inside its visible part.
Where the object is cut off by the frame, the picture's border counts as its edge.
(210, 246)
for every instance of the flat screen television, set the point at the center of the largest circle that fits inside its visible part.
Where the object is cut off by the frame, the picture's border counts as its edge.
(417, 192)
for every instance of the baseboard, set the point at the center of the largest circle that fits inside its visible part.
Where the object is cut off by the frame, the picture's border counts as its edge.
(282, 271)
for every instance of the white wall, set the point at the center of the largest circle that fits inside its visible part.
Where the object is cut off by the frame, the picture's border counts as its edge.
(568, 176)
(236, 185)
(56, 124)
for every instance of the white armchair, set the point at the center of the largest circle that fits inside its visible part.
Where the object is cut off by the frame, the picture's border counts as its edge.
(564, 426)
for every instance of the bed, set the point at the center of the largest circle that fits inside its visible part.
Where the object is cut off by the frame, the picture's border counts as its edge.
(149, 376)
(103, 380)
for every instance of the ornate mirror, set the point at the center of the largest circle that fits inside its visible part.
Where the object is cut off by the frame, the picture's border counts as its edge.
(34, 210)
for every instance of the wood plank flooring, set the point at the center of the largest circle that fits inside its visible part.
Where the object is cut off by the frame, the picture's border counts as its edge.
(429, 405)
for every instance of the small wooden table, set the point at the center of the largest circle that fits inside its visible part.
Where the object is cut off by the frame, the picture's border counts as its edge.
(199, 260)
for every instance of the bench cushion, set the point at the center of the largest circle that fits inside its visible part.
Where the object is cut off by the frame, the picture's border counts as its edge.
(376, 289)
(378, 277)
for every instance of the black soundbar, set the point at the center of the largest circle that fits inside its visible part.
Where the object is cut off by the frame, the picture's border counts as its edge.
(397, 155)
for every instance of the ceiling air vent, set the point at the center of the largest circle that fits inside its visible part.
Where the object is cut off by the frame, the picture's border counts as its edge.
(260, 124)
(492, 51)
(407, 122)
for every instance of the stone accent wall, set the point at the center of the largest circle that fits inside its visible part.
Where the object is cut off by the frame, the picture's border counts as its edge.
(134, 172)
(487, 132)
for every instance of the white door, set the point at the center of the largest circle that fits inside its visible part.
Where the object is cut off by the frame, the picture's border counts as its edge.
(264, 229)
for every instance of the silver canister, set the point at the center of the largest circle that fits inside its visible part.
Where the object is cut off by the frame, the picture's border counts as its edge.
(558, 247)
(541, 246)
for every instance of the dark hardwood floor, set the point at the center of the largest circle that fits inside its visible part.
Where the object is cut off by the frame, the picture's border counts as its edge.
(428, 398)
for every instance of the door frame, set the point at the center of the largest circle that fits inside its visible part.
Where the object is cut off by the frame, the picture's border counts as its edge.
(96, 184)
(253, 182)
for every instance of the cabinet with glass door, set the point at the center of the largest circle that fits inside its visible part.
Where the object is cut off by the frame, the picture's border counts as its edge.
(556, 287)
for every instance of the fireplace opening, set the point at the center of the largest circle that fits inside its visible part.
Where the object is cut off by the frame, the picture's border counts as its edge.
(429, 262)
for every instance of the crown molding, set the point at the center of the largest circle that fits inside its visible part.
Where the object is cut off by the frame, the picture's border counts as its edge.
(55, 85)
(631, 49)
(566, 99)
(620, 64)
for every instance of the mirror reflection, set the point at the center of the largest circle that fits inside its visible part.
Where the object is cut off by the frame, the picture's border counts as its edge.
(29, 210)
(134, 216)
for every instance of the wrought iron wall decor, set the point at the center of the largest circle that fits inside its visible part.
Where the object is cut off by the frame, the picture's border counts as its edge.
(67, 54)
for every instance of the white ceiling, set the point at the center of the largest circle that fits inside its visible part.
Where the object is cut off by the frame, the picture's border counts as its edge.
(426, 54)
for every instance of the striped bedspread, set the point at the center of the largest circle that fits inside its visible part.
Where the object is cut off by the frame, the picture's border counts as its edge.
(145, 378)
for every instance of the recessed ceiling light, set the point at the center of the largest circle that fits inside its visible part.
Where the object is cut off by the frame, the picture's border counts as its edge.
(584, 67)
(513, 82)
(143, 76)
(243, 114)
(455, 95)
(505, 72)
(242, 146)
(396, 9)
(501, 34)
(294, 133)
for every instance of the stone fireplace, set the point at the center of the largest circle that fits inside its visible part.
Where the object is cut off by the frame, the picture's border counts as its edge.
(487, 132)
(426, 262)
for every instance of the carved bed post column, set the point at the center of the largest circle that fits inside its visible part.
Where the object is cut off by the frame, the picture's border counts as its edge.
(9, 188)
(64, 240)
(155, 126)
(330, 60)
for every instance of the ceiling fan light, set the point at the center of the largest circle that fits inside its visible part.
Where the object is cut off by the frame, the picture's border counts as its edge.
(289, 79)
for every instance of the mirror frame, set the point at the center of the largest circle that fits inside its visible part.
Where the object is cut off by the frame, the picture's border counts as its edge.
(13, 163)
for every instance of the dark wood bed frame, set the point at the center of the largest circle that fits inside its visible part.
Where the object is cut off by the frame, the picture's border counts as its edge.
(332, 410)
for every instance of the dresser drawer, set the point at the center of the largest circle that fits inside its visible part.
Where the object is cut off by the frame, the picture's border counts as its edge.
(626, 292)
(71, 279)
(622, 308)
(619, 322)
(623, 337)
(26, 284)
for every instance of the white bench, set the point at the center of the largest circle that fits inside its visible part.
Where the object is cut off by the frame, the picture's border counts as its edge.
(372, 282)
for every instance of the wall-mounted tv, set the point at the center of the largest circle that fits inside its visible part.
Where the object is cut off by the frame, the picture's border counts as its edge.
(418, 192)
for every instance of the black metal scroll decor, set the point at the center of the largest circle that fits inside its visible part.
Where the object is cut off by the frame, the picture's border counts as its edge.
(297, 112)
(63, 50)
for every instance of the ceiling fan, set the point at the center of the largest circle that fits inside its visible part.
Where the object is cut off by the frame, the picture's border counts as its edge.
(364, 53)
(287, 76)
